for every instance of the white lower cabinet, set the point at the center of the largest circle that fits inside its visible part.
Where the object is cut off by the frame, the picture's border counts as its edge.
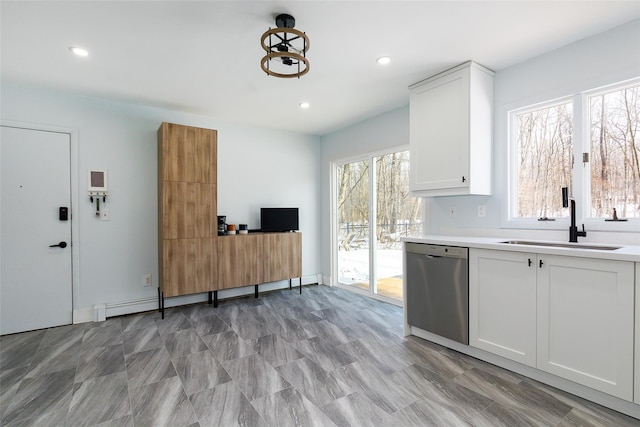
(502, 304)
(582, 324)
(585, 322)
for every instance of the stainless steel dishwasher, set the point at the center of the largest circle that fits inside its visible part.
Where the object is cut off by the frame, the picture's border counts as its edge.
(438, 289)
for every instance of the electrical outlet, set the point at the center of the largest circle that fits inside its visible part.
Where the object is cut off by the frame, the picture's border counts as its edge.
(452, 211)
(147, 280)
(482, 211)
(105, 215)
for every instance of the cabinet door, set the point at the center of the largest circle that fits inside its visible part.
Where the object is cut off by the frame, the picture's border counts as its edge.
(188, 266)
(178, 273)
(187, 153)
(239, 261)
(585, 322)
(502, 304)
(439, 133)
(281, 256)
(189, 210)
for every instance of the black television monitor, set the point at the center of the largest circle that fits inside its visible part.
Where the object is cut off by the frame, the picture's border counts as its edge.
(278, 219)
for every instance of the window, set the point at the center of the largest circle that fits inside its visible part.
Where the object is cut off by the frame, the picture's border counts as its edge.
(594, 153)
(614, 119)
(544, 146)
(373, 211)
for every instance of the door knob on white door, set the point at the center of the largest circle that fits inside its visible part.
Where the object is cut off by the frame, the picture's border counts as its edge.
(59, 245)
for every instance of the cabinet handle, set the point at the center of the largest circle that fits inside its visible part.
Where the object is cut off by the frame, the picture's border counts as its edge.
(530, 262)
(463, 179)
(541, 263)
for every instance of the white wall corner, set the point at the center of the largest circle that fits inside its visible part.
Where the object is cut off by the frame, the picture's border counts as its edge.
(99, 312)
(82, 315)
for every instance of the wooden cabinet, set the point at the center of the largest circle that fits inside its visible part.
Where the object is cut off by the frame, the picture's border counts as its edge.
(586, 322)
(258, 258)
(192, 257)
(187, 223)
(451, 132)
(569, 316)
(502, 304)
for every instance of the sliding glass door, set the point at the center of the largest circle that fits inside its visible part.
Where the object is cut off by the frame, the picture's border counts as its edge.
(353, 224)
(373, 211)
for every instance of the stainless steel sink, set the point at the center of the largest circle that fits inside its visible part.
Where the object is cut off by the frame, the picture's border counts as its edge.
(562, 245)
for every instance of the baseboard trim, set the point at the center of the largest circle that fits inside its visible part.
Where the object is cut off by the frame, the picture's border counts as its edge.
(149, 304)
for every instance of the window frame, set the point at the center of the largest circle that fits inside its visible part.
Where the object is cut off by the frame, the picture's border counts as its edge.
(581, 185)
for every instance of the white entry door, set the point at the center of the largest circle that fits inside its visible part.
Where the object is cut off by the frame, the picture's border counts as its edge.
(35, 275)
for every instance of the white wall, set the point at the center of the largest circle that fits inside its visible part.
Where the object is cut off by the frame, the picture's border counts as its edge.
(603, 59)
(256, 167)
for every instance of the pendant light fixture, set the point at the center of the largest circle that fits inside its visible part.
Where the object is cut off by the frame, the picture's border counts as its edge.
(286, 49)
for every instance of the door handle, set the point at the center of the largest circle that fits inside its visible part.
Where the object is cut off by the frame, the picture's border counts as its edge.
(59, 245)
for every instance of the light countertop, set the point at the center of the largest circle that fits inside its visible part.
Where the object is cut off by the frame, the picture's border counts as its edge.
(625, 253)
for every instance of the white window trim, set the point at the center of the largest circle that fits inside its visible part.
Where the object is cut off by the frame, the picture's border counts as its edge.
(581, 185)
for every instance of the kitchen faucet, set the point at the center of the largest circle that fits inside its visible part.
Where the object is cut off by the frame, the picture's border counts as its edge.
(573, 230)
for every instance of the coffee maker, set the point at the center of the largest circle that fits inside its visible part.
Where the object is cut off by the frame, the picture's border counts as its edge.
(222, 225)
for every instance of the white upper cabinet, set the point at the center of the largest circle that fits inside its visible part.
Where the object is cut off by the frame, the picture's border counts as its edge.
(451, 132)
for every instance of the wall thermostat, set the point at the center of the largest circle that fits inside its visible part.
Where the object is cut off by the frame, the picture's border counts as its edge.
(97, 182)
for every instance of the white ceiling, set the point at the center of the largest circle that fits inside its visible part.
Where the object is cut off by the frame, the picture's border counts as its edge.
(203, 57)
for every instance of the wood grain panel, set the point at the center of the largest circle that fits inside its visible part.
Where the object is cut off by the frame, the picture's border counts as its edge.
(179, 272)
(206, 268)
(205, 221)
(282, 257)
(188, 153)
(239, 260)
(178, 152)
(206, 155)
(179, 211)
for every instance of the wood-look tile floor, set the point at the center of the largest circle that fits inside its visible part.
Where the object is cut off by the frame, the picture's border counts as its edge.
(327, 357)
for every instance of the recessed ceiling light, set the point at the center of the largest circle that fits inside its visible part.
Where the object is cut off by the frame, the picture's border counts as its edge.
(305, 105)
(79, 51)
(383, 60)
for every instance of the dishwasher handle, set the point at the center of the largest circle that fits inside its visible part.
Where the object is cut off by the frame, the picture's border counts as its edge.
(436, 251)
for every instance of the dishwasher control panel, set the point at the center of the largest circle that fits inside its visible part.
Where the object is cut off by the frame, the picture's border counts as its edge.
(437, 250)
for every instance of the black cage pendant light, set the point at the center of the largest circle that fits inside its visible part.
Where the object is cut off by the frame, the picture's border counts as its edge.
(286, 49)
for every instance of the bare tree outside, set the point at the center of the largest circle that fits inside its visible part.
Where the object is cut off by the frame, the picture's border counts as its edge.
(615, 153)
(545, 154)
(397, 215)
(545, 150)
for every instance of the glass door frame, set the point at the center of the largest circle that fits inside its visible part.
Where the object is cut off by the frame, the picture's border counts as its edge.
(371, 158)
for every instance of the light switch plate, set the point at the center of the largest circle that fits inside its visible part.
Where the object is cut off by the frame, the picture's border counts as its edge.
(105, 215)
